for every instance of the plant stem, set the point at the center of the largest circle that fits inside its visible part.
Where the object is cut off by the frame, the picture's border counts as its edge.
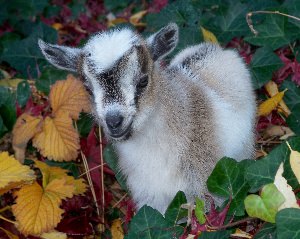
(5, 219)
(232, 224)
(250, 23)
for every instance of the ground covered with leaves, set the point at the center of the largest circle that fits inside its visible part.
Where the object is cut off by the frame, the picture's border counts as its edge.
(59, 176)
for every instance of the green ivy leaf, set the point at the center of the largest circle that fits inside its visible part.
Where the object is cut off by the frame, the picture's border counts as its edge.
(174, 211)
(3, 128)
(200, 211)
(23, 93)
(292, 96)
(267, 231)
(263, 64)
(215, 235)
(227, 181)
(72, 167)
(84, 124)
(111, 158)
(288, 223)
(148, 223)
(272, 32)
(266, 205)
(7, 107)
(116, 4)
(25, 55)
(293, 120)
(263, 171)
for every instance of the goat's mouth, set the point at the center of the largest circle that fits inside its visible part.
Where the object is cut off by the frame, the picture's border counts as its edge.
(121, 134)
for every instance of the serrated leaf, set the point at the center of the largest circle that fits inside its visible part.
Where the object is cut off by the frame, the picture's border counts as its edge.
(288, 223)
(69, 96)
(270, 104)
(116, 229)
(45, 213)
(285, 189)
(51, 173)
(59, 140)
(227, 181)
(12, 173)
(295, 162)
(208, 36)
(200, 211)
(263, 64)
(24, 129)
(266, 205)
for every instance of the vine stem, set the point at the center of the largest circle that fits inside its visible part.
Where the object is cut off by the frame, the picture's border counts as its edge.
(5, 208)
(232, 224)
(250, 23)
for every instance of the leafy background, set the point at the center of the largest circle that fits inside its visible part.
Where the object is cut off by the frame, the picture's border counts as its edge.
(271, 55)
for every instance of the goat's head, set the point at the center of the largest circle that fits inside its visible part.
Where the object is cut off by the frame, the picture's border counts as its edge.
(117, 66)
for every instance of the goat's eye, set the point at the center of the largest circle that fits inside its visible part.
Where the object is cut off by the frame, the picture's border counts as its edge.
(143, 82)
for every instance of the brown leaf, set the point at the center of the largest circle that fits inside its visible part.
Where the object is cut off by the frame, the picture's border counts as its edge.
(58, 140)
(69, 96)
(24, 129)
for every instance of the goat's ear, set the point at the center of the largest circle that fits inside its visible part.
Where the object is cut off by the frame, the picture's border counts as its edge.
(63, 57)
(163, 42)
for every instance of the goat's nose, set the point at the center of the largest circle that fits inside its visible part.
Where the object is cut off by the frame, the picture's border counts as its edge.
(114, 120)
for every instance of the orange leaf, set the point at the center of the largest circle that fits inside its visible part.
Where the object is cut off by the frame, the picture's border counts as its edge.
(50, 173)
(58, 140)
(37, 209)
(135, 18)
(12, 173)
(24, 129)
(272, 89)
(270, 104)
(69, 96)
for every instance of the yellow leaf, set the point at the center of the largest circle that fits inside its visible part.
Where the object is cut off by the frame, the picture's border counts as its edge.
(270, 104)
(69, 96)
(58, 140)
(37, 209)
(9, 234)
(57, 26)
(295, 162)
(208, 36)
(116, 229)
(272, 89)
(5, 74)
(50, 173)
(24, 129)
(116, 21)
(12, 83)
(12, 173)
(54, 235)
(241, 234)
(285, 189)
(135, 18)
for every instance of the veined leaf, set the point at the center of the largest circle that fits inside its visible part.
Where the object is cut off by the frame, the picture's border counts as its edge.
(288, 223)
(12, 173)
(58, 140)
(266, 205)
(69, 96)
(45, 213)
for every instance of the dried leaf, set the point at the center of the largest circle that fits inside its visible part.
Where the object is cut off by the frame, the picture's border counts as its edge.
(24, 129)
(270, 104)
(241, 234)
(276, 130)
(136, 18)
(272, 89)
(116, 229)
(285, 189)
(58, 140)
(69, 96)
(54, 235)
(45, 213)
(295, 162)
(50, 173)
(12, 173)
(9, 234)
(208, 36)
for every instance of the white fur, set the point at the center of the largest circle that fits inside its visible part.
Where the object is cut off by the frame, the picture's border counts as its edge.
(108, 47)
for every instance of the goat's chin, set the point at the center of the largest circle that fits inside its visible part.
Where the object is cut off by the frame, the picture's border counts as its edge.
(121, 135)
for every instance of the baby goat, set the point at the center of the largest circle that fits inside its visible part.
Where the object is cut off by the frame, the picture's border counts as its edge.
(169, 125)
